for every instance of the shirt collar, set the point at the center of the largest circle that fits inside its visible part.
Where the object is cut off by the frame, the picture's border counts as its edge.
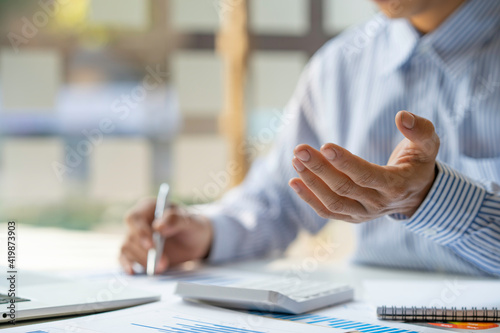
(401, 40)
(454, 42)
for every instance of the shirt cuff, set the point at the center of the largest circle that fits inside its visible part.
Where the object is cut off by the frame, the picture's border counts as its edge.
(449, 208)
(224, 232)
(225, 240)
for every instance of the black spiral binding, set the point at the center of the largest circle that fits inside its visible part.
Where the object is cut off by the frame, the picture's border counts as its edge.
(434, 314)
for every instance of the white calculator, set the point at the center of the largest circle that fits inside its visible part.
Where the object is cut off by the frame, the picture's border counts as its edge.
(291, 296)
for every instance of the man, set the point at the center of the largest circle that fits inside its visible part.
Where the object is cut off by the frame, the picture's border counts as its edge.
(417, 201)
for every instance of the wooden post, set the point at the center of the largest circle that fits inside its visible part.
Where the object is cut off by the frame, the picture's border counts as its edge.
(232, 45)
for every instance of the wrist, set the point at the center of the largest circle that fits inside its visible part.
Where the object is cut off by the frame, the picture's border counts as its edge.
(210, 236)
(421, 195)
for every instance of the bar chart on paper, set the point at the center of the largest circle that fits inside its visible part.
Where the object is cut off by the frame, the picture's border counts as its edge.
(344, 324)
(356, 316)
(191, 325)
(175, 316)
(203, 319)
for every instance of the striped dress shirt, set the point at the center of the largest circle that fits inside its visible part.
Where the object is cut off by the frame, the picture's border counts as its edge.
(349, 94)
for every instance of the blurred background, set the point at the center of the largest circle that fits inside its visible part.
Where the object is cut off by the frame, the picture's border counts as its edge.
(102, 100)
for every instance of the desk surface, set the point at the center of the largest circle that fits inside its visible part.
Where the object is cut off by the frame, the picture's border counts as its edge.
(85, 251)
(290, 267)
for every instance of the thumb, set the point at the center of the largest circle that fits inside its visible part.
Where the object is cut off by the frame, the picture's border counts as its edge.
(419, 131)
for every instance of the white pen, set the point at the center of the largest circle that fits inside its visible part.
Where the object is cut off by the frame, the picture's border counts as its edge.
(154, 254)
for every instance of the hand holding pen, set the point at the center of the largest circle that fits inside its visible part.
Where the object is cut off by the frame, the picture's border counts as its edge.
(155, 252)
(187, 236)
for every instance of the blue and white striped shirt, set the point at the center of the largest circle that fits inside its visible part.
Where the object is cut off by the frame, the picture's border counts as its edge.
(349, 94)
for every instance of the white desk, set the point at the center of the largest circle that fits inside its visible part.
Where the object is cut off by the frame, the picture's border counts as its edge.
(91, 251)
(289, 267)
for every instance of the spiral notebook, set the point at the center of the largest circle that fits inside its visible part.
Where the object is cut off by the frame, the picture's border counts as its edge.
(436, 300)
(438, 314)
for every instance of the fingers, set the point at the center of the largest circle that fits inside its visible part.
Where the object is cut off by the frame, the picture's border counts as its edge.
(330, 187)
(172, 222)
(187, 237)
(139, 238)
(163, 264)
(352, 174)
(126, 264)
(139, 221)
(131, 252)
(143, 210)
(418, 130)
(310, 198)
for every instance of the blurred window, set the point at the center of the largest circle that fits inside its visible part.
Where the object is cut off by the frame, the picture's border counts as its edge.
(101, 100)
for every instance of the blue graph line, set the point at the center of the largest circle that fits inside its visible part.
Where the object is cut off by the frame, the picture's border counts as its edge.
(334, 322)
(197, 326)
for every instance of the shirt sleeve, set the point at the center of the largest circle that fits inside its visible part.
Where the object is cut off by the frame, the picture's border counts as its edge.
(464, 215)
(264, 214)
